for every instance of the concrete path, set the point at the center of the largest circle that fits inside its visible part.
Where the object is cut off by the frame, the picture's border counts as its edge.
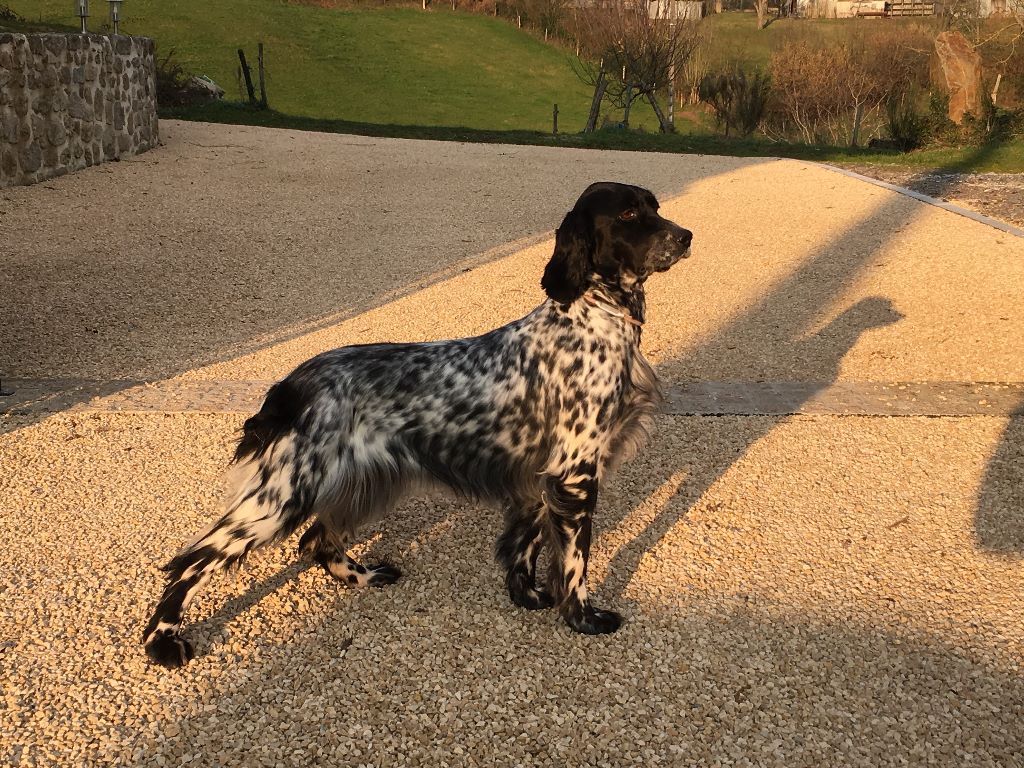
(807, 579)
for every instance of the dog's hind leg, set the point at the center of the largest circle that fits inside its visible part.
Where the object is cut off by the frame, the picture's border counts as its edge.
(517, 550)
(329, 552)
(273, 496)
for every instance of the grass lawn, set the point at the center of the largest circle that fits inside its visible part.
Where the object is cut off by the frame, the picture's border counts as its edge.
(382, 66)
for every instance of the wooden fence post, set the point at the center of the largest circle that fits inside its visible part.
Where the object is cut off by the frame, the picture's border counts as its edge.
(595, 105)
(263, 85)
(248, 77)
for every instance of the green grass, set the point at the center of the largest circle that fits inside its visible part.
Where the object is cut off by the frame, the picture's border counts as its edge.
(376, 66)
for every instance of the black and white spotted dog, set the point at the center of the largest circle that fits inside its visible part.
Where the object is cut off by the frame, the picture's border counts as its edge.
(531, 415)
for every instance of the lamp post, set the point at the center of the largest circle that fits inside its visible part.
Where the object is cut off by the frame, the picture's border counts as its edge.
(82, 11)
(115, 14)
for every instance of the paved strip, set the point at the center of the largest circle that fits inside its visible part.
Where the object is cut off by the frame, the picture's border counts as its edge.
(946, 206)
(711, 398)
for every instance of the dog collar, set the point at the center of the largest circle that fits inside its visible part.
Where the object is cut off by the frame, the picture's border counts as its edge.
(610, 311)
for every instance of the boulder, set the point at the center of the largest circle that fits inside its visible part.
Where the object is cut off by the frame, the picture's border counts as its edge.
(959, 72)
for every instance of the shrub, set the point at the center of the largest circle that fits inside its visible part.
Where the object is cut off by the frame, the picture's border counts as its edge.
(839, 93)
(739, 100)
(174, 84)
(908, 129)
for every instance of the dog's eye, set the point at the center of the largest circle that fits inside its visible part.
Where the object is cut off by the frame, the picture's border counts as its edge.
(629, 215)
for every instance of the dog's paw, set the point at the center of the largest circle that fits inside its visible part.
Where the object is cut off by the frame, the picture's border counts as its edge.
(382, 575)
(523, 593)
(169, 649)
(588, 620)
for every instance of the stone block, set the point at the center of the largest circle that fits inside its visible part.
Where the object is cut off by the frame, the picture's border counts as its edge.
(74, 42)
(56, 44)
(91, 72)
(123, 144)
(42, 104)
(31, 157)
(961, 70)
(118, 116)
(10, 128)
(49, 77)
(35, 45)
(9, 164)
(56, 134)
(79, 108)
(21, 51)
(108, 142)
(51, 157)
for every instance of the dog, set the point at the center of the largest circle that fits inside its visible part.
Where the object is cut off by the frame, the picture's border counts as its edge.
(532, 415)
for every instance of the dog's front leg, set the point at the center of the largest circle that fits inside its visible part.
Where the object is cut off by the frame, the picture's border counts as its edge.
(571, 500)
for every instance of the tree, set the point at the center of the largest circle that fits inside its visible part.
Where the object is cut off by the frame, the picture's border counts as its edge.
(761, 6)
(628, 53)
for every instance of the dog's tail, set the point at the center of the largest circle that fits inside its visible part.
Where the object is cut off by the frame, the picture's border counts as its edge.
(269, 497)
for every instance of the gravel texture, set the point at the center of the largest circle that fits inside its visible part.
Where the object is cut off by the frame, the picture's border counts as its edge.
(999, 195)
(826, 590)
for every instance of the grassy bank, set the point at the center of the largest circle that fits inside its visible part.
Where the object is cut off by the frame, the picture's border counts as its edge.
(377, 66)
(1005, 157)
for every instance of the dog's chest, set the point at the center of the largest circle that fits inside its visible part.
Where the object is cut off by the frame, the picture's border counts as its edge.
(597, 365)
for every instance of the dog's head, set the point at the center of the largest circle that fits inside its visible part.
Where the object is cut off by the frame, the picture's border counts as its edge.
(613, 235)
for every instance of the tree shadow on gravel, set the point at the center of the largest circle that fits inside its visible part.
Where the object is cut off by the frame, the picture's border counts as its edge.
(999, 518)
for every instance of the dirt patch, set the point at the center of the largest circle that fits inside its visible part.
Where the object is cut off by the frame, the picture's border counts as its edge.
(999, 195)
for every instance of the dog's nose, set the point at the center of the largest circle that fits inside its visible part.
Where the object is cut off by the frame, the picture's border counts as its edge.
(684, 238)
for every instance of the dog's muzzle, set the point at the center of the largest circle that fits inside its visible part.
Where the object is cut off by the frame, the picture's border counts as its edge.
(674, 247)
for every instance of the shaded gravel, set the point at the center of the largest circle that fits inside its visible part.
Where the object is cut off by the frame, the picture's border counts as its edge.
(999, 195)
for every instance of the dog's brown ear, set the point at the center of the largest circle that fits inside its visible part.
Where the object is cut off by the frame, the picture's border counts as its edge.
(565, 275)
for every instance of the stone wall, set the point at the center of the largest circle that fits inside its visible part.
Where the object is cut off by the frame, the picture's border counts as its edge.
(70, 101)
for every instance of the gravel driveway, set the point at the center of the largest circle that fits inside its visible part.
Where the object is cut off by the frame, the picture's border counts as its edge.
(799, 590)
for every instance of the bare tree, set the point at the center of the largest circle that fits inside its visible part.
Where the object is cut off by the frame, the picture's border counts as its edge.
(628, 53)
(761, 7)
